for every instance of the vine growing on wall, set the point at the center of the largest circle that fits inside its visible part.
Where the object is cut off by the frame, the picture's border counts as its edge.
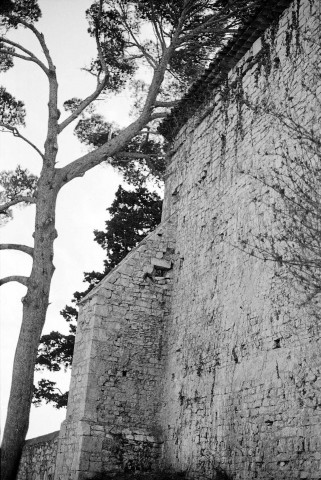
(292, 179)
(225, 101)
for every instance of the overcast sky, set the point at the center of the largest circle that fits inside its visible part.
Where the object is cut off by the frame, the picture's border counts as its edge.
(81, 204)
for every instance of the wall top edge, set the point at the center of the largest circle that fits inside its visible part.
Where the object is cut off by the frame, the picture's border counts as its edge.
(42, 438)
(158, 232)
(268, 12)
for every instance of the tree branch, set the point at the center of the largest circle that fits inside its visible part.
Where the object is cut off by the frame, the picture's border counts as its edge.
(16, 133)
(23, 57)
(207, 27)
(100, 86)
(82, 106)
(31, 58)
(20, 199)
(80, 166)
(99, 49)
(151, 61)
(158, 29)
(14, 278)
(16, 246)
(134, 57)
(40, 39)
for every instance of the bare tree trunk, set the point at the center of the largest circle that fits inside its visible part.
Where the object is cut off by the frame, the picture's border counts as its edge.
(35, 305)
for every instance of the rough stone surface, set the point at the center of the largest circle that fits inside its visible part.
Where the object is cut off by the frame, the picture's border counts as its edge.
(39, 458)
(111, 423)
(193, 356)
(242, 373)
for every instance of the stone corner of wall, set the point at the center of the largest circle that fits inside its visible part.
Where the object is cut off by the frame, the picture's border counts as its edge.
(163, 232)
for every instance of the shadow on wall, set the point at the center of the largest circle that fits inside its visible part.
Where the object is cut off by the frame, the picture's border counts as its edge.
(219, 475)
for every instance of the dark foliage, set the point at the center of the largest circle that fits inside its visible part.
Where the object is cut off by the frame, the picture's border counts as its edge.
(12, 111)
(93, 131)
(18, 183)
(27, 9)
(151, 166)
(134, 214)
(50, 393)
(149, 156)
(110, 32)
(56, 350)
(6, 60)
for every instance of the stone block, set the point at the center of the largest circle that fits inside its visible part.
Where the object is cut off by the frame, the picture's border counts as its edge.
(92, 444)
(148, 269)
(83, 428)
(161, 263)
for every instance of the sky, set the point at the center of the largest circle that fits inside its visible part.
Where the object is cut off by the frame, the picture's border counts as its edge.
(81, 204)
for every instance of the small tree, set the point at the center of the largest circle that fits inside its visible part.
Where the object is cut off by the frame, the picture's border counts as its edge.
(185, 35)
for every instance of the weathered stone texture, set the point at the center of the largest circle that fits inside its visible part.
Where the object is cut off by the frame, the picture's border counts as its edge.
(193, 355)
(242, 383)
(111, 423)
(39, 458)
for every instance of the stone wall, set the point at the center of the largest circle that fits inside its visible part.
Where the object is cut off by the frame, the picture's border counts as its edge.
(242, 383)
(111, 423)
(38, 458)
(194, 355)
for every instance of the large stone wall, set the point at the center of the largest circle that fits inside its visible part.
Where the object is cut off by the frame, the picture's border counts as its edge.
(242, 382)
(39, 458)
(111, 423)
(194, 355)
